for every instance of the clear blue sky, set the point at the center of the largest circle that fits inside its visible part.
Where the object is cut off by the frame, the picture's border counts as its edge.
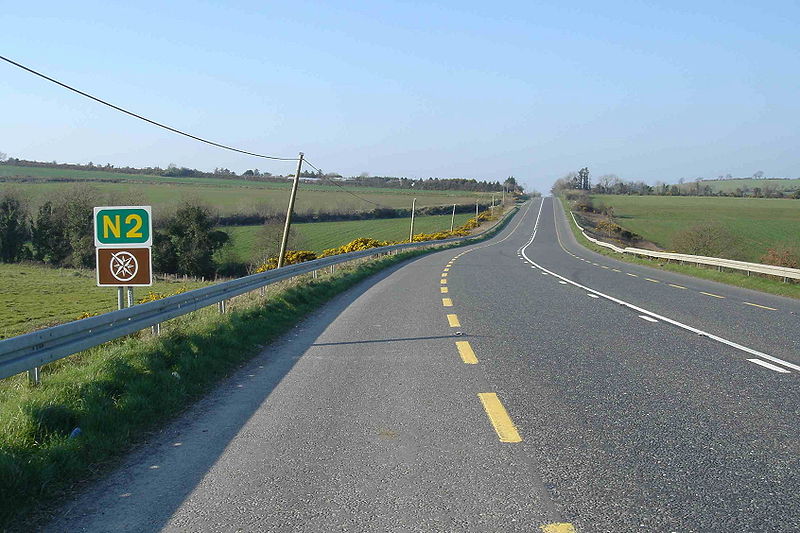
(455, 89)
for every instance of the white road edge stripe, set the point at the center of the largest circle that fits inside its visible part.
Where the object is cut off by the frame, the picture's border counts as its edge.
(769, 365)
(650, 313)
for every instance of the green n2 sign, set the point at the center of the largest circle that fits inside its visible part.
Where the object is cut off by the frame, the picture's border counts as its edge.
(123, 225)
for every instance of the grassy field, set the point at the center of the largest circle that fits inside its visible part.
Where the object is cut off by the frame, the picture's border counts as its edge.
(224, 196)
(35, 296)
(758, 223)
(319, 236)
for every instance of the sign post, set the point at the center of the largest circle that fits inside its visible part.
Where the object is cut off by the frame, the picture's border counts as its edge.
(123, 236)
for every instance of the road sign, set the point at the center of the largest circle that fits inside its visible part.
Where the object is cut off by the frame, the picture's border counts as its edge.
(123, 226)
(127, 267)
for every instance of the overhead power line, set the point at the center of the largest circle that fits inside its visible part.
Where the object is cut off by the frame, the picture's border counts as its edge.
(341, 186)
(140, 117)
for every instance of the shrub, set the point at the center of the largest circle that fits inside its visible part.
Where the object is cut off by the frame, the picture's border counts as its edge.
(291, 257)
(712, 240)
(782, 256)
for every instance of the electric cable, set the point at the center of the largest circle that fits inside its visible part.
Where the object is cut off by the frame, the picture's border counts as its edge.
(140, 117)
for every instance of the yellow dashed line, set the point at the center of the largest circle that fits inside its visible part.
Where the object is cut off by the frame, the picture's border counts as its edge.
(652, 280)
(453, 321)
(712, 294)
(466, 352)
(446, 270)
(760, 306)
(443, 281)
(444, 274)
(677, 286)
(498, 415)
(447, 302)
(558, 527)
(443, 290)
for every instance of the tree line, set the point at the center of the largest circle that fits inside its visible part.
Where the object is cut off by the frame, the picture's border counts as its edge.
(364, 180)
(612, 184)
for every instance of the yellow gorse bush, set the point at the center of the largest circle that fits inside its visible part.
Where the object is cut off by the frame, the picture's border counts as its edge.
(366, 243)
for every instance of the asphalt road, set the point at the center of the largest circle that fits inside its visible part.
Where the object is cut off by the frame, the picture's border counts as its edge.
(506, 386)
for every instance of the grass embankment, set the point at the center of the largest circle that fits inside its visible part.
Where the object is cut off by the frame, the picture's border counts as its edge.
(754, 282)
(758, 223)
(319, 236)
(35, 296)
(730, 185)
(117, 392)
(227, 196)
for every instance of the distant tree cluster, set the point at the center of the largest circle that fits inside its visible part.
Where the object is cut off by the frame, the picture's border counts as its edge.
(612, 184)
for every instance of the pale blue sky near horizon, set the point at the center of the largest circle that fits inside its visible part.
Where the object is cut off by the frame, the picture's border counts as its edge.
(645, 90)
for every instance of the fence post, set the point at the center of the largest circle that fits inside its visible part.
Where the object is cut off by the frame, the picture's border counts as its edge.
(34, 375)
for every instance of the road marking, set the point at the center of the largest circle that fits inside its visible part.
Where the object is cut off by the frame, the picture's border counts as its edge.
(648, 318)
(447, 302)
(592, 296)
(443, 290)
(603, 266)
(677, 286)
(616, 270)
(453, 320)
(712, 294)
(681, 325)
(446, 270)
(634, 275)
(760, 306)
(563, 282)
(443, 281)
(652, 280)
(503, 426)
(769, 365)
(466, 352)
(444, 274)
(558, 527)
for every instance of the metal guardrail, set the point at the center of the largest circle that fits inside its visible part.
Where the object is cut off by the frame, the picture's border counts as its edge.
(32, 350)
(759, 268)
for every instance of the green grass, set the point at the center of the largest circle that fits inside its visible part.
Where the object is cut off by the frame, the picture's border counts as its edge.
(35, 296)
(757, 283)
(119, 391)
(224, 196)
(758, 223)
(318, 236)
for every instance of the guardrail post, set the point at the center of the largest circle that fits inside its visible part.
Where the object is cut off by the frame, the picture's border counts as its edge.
(155, 329)
(34, 375)
(221, 306)
(130, 296)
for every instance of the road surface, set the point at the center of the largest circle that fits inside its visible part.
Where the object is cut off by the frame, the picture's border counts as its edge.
(517, 384)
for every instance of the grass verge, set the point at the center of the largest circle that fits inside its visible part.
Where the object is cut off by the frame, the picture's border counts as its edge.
(754, 282)
(118, 392)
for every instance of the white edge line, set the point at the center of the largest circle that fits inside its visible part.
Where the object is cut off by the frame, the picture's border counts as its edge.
(650, 313)
(769, 365)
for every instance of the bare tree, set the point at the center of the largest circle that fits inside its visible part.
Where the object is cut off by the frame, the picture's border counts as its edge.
(758, 174)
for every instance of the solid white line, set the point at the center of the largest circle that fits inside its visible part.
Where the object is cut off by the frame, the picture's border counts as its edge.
(770, 366)
(638, 309)
(649, 319)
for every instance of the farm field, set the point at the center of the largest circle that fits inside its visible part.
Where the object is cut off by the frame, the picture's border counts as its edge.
(35, 296)
(758, 223)
(222, 195)
(318, 236)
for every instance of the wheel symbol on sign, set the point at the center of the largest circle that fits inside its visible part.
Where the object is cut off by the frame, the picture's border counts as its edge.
(123, 266)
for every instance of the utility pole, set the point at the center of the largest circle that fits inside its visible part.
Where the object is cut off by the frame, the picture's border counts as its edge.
(413, 208)
(453, 218)
(289, 212)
